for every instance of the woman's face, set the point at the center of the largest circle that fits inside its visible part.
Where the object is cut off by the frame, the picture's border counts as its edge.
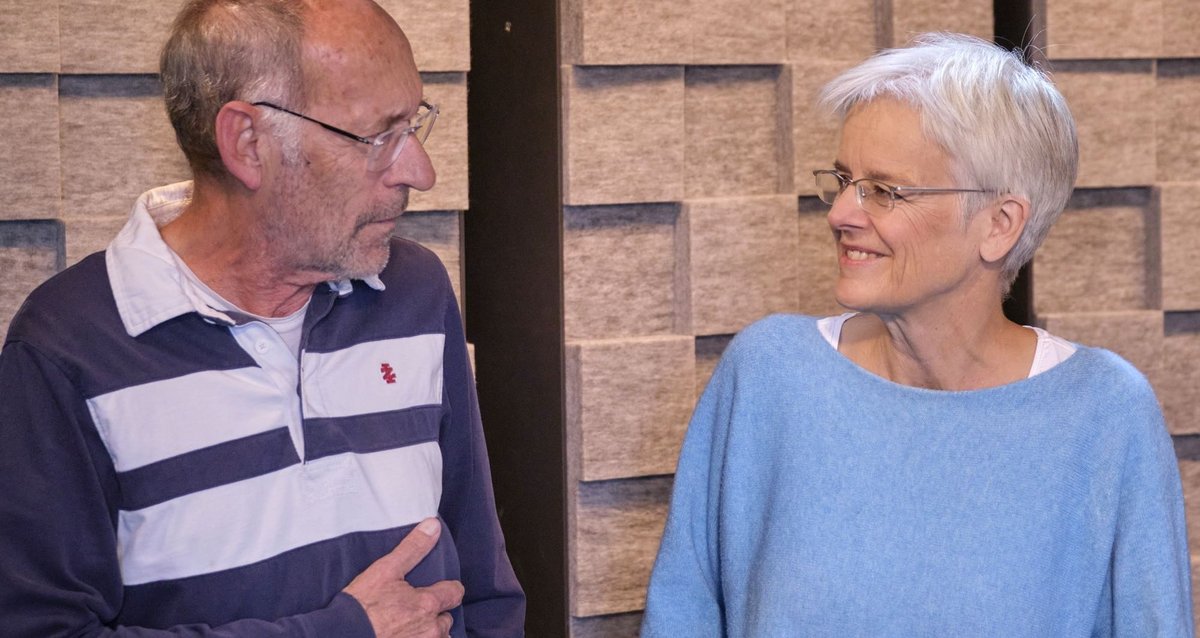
(918, 254)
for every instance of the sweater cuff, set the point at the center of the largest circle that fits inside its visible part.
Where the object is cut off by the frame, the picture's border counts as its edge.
(344, 617)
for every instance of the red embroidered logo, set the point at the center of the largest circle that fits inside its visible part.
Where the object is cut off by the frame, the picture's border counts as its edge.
(388, 373)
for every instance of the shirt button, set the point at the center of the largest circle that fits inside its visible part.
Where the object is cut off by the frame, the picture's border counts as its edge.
(262, 346)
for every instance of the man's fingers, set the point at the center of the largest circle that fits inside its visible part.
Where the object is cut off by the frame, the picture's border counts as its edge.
(444, 622)
(415, 546)
(444, 595)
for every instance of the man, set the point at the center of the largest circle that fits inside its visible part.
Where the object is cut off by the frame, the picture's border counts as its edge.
(253, 414)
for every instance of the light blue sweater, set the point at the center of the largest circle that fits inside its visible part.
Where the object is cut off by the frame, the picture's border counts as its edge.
(813, 498)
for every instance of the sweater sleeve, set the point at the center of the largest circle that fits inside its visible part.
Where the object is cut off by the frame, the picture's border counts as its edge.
(684, 597)
(1149, 581)
(493, 602)
(59, 570)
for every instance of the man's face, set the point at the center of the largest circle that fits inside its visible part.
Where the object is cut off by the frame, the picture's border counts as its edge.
(326, 212)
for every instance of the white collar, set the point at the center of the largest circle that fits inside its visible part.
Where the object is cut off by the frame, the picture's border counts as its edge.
(146, 282)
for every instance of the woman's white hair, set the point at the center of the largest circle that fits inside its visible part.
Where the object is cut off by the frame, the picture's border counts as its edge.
(1004, 125)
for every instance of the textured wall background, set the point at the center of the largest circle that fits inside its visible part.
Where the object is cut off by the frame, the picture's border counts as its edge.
(83, 131)
(690, 135)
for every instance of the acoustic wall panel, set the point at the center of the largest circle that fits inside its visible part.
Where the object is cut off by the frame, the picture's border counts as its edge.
(1181, 29)
(1080, 29)
(441, 232)
(115, 36)
(437, 31)
(86, 235)
(815, 132)
(818, 29)
(625, 32)
(1178, 127)
(817, 257)
(30, 43)
(447, 144)
(1100, 255)
(1180, 206)
(913, 17)
(1179, 386)
(627, 625)
(1136, 335)
(116, 143)
(30, 251)
(737, 31)
(630, 403)
(29, 153)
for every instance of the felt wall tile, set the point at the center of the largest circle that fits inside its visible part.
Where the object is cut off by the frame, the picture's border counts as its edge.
(115, 36)
(1178, 130)
(738, 31)
(619, 270)
(624, 134)
(1087, 29)
(1179, 386)
(817, 258)
(743, 261)
(1181, 29)
(913, 17)
(30, 43)
(86, 235)
(632, 404)
(736, 131)
(1180, 205)
(817, 29)
(708, 354)
(438, 30)
(815, 132)
(447, 144)
(1098, 255)
(615, 536)
(1136, 335)
(1112, 102)
(612, 626)
(29, 154)
(626, 32)
(30, 252)
(1189, 472)
(116, 143)
(441, 232)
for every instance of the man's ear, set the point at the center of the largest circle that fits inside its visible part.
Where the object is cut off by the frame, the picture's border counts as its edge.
(239, 139)
(1006, 219)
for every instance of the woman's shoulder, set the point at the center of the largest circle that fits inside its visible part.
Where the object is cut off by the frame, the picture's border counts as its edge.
(784, 337)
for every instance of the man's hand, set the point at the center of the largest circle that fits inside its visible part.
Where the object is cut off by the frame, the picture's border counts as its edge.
(397, 609)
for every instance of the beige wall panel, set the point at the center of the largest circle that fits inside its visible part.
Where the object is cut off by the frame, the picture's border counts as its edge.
(1112, 104)
(1120, 29)
(1136, 335)
(29, 254)
(619, 271)
(627, 32)
(1178, 124)
(1181, 29)
(1180, 205)
(1189, 472)
(708, 354)
(819, 29)
(1096, 256)
(735, 132)
(86, 235)
(117, 143)
(115, 36)
(632, 404)
(738, 31)
(30, 184)
(613, 626)
(815, 132)
(439, 31)
(818, 260)
(624, 130)
(914, 17)
(441, 232)
(1179, 387)
(30, 36)
(447, 144)
(743, 261)
(616, 533)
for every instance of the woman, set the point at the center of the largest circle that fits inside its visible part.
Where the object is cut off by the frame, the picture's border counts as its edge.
(924, 466)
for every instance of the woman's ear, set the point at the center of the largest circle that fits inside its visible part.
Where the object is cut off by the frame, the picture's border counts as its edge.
(1006, 220)
(239, 139)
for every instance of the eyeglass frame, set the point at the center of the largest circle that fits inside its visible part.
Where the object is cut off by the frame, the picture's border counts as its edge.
(431, 114)
(892, 191)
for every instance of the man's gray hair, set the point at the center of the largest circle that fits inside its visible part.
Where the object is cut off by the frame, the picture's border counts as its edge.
(224, 50)
(1004, 125)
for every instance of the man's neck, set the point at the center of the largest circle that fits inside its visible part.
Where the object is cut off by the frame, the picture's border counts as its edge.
(218, 238)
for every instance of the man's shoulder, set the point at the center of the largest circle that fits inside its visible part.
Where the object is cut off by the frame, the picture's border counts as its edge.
(413, 266)
(66, 304)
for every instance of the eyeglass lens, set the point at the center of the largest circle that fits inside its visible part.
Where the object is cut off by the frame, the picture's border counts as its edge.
(389, 145)
(873, 196)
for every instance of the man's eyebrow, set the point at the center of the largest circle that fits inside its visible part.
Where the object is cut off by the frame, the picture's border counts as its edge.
(840, 167)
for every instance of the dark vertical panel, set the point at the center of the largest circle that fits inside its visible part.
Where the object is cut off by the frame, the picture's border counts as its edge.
(513, 265)
(1015, 30)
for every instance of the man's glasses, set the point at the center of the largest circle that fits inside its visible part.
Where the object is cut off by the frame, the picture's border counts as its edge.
(874, 196)
(385, 147)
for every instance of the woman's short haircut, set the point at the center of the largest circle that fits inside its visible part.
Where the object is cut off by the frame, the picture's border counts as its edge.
(1004, 125)
(224, 50)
